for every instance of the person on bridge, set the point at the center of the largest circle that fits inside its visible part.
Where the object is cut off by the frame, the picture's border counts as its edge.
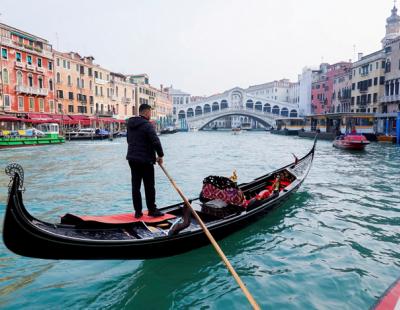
(143, 144)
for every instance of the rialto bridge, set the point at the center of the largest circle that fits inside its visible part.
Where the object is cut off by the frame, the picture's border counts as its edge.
(234, 102)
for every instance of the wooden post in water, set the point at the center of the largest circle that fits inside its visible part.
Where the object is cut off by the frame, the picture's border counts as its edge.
(214, 243)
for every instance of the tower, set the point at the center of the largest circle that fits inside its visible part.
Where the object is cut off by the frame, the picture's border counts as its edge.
(392, 26)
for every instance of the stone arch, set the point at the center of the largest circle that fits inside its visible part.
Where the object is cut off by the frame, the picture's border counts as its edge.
(207, 108)
(224, 104)
(284, 112)
(198, 111)
(258, 106)
(275, 110)
(245, 115)
(215, 106)
(293, 113)
(190, 112)
(267, 108)
(181, 114)
(249, 104)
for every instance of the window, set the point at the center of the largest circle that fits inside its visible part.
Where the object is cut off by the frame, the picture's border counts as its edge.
(90, 72)
(30, 80)
(70, 95)
(18, 57)
(31, 104)
(41, 105)
(29, 59)
(7, 102)
(69, 81)
(96, 90)
(51, 103)
(58, 62)
(77, 67)
(39, 62)
(60, 94)
(5, 76)
(20, 103)
(77, 83)
(58, 77)
(50, 65)
(376, 81)
(51, 84)
(375, 97)
(377, 65)
(4, 53)
(64, 63)
(82, 70)
(19, 78)
(353, 86)
(82, 83)
(383, 64)
(90, 84)
(70, 109)
(40, 80)
(68, 64)
(101, 91)
(381, 80)
(96, 74)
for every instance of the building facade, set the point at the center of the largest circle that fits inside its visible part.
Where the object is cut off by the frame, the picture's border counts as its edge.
(122, 95)
(306, 79)
(368, 79)
(27, 73)
(341, 97)
(101, 87)
(74, 83)
(163, 107)
(275, 90)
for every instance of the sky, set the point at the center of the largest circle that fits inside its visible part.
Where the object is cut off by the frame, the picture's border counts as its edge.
(208, 46)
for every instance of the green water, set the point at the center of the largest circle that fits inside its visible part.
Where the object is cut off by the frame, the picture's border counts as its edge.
(333, 245)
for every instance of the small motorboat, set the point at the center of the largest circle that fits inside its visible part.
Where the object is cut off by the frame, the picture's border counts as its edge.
(236, 130)
(351, 142)
(390, 300)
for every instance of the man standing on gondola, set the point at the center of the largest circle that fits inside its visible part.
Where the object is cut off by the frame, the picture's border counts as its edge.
(143, 145)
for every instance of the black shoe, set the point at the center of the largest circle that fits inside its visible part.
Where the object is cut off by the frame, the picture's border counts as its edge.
(155, 213)
(138, 214)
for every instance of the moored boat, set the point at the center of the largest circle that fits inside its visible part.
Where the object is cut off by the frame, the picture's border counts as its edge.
(351, 142)
(390, 300)
(124, 237)
(47, 133)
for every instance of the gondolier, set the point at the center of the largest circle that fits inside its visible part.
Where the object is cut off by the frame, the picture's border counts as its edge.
(143, 145)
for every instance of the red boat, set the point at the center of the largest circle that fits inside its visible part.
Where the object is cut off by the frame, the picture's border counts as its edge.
(390, 299)
(351, 142)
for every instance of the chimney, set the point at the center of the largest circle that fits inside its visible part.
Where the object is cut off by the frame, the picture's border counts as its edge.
(360, 55)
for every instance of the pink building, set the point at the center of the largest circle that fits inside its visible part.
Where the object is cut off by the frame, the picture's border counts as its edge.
(322, 87)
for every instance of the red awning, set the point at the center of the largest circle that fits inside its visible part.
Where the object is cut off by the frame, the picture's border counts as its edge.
(9, 118)
(39, 118)
(79, 119)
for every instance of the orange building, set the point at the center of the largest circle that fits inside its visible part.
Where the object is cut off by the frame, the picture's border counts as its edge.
(27, 73)
(74, 83)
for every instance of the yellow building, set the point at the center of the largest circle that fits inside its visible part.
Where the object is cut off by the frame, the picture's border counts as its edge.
(122, 95)
(163, 107)
(101, 89)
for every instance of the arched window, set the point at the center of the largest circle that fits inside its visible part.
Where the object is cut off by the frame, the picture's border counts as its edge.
(207, 108)
(69, 80)
(267, 108)
(189, 112)
(249, 104)
(275, 110)
(198, 111)
(40, 80)
(224, 104)
(125, 92)
(90, 84)
(181, 114)
(51, 84)
(58, 77)
(30, 80)
(116, 91)
(258, 106)
(293, 113)
(19, 78)
(5, 76)
(215, 106)
(285, 112)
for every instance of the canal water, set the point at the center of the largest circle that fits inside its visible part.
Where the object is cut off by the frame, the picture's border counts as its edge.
(333, 245)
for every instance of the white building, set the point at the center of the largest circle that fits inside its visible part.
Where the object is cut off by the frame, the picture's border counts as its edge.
(275, 90)
(305, 83)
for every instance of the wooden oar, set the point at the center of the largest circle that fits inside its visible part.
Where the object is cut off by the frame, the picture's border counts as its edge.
(213, 242)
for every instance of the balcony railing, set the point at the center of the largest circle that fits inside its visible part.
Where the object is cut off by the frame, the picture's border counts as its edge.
(30, 50)
(32, 90)
(126, 100)
(113, 97)
(19, 64)
(100, 81)
(391, 98)
(30, 67)
(40, 69)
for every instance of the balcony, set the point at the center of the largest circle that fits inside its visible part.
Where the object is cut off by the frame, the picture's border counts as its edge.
(100, 81)
(26, 48)
(113, 98)
(19, 64)
(32, 90)
(30, 67)
(392, 98)
(126, 100)
(40, 69)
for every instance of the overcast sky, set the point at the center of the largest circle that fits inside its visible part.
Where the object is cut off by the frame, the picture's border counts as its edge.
(208, 46)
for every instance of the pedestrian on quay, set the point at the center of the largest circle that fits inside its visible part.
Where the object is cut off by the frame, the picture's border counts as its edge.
(143, 145)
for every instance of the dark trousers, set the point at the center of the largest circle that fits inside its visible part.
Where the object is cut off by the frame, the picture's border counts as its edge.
(145, 172)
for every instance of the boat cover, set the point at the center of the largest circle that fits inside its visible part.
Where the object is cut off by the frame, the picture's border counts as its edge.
(125, 218)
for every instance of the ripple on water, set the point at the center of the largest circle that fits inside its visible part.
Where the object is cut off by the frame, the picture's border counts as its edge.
(333, 245)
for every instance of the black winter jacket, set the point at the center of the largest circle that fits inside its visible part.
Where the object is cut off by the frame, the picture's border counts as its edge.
(143, 143)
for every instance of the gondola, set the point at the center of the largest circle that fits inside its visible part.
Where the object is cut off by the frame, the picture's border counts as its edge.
(27, 236)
